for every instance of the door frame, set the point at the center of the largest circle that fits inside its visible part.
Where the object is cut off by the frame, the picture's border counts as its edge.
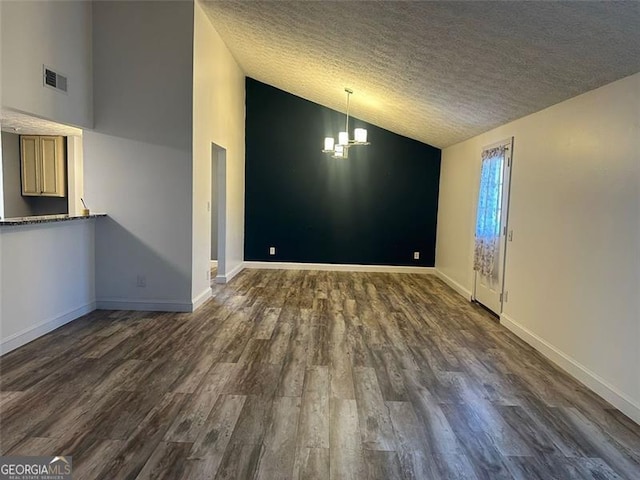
(505, 233)
(219, 157)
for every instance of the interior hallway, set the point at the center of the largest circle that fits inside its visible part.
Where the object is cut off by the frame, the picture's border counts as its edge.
(305, 374)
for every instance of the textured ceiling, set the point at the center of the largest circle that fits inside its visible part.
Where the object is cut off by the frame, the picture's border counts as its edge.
(21, 124)
(438, 72)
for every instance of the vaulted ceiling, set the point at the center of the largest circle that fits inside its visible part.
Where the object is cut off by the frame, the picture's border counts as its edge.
(438, 72)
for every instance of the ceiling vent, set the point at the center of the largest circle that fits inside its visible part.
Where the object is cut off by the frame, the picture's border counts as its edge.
(54, 79)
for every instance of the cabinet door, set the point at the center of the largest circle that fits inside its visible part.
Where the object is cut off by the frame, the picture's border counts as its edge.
(30, 156)
(52, 178)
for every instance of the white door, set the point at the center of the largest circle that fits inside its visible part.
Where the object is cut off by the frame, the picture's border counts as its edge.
(491, 224)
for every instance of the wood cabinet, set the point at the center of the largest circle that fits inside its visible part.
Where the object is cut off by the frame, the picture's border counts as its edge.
(43, 166)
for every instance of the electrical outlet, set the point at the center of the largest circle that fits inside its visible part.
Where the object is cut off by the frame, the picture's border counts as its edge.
(416, 255)
(141, 281)
(272, 250)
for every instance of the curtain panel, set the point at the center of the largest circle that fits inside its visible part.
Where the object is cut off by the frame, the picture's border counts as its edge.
(487, 238)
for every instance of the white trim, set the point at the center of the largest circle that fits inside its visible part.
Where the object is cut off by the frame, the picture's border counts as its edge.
(219, 157)
(335, 267)
(581, 373)
(27, 335)
(147, 305)
(227, 278)
(507, 142)
(214, 263)
(75, 177)
(200, 299)
(455, 285)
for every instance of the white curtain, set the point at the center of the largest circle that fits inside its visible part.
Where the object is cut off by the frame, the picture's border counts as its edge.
(487, 244)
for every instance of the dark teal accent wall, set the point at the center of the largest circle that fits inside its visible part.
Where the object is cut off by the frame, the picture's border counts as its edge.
(375, 208)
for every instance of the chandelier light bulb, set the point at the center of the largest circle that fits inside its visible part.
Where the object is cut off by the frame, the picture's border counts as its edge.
(360, 135)
(328, 143)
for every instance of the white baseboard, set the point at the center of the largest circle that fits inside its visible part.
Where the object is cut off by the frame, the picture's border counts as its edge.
(29, 334)
(227, 278)
(455, 285)
(200, 299)
(147, 305)
(335, 267)
(214, 263)
(575, 369)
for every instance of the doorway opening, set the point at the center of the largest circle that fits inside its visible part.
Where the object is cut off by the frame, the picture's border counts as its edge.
(218, 212)
(491, 225)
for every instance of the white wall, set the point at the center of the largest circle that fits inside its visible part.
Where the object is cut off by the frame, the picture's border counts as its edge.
(459, 175)
(53, 263)
(218, 113)
(56, 34)
(138, 159)
(1, 180)
(573, 268)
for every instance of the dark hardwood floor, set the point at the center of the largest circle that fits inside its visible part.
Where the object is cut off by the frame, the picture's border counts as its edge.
(310, 375)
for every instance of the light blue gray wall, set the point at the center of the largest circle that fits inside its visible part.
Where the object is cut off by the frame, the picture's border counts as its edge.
(138, 158)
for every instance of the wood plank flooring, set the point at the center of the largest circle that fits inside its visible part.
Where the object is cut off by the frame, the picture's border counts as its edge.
(308, 375)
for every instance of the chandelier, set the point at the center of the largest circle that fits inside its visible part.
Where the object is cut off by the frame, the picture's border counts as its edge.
(341, 149)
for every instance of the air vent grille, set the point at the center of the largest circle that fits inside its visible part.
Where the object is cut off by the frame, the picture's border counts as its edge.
(62, 82)
(50, 77)
(54, 79)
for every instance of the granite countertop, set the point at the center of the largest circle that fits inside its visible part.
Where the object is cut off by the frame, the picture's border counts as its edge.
(6, 222)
